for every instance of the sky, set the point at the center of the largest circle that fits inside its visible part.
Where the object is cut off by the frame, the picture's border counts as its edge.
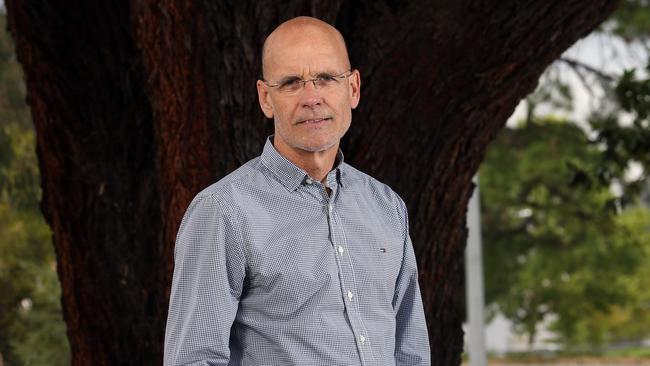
(602, 52)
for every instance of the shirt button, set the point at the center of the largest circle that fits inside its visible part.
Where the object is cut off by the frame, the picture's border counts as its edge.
(309, 181)
(341, 250)
(350, 295)
(329, 207)
(362, 339)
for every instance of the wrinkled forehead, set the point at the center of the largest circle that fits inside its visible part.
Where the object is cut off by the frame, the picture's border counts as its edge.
(304, 51)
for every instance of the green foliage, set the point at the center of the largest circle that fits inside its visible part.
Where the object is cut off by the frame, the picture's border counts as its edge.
(12, 87)
(32, 331)
(553, 243)
(624, 142)
(565, 232)
(622, 132)
(632, 20)
(629, 321)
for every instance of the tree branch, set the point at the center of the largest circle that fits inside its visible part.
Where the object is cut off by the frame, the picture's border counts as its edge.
(579, 65)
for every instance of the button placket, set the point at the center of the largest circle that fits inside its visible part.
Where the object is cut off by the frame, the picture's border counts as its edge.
(346, 275)
(362, 339)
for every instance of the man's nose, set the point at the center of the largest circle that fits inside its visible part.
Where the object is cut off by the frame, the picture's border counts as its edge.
(311, 96)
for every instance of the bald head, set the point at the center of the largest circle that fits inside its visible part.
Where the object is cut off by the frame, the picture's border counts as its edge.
(290, 38)
(309, 120)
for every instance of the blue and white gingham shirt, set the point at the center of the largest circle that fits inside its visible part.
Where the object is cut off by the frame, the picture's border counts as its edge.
(270, 269)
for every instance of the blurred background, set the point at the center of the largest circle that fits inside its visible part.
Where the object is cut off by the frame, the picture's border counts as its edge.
(32, 331)
(565, 201)
(565, 212)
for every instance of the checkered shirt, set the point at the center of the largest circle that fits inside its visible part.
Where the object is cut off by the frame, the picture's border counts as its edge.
(270, 269)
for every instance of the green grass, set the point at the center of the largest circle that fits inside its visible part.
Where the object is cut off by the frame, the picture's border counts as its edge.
(630, 353)
(636, 352)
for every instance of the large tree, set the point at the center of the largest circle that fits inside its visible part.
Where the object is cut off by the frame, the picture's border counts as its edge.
(139, 105)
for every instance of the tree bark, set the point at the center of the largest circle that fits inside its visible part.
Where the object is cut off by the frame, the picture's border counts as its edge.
(139, 105)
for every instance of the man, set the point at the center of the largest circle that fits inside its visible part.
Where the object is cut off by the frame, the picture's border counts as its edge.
(296, 258)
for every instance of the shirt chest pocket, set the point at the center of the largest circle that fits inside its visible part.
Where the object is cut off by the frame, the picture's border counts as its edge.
(390, 258)
(376, 259)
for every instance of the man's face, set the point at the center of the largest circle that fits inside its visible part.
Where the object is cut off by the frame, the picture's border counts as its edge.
(312, 119)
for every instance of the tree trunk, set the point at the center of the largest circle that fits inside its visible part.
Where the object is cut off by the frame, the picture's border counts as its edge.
(139, 105)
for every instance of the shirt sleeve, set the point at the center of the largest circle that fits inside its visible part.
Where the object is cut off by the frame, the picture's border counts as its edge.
(411, 337)
(209, 271)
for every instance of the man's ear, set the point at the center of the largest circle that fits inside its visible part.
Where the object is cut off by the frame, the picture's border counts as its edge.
(263, 98)
(355, 88)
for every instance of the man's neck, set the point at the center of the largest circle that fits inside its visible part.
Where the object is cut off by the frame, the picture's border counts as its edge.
(316, 163)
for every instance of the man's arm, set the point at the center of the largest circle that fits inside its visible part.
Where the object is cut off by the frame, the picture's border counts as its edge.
(411, 337)
(208, 278)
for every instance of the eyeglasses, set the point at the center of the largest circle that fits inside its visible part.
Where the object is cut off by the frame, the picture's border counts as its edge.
(294, 85)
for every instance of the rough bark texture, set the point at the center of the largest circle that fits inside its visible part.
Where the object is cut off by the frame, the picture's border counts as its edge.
(97, 157)
(139, 105)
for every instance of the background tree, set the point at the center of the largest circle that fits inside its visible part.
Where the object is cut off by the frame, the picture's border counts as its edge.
(139, 105)
(618, 121)
(628, 322)
(554, 245)
(593, 175)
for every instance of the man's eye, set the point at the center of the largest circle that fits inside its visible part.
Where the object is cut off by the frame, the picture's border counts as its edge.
(289, 84)
(325, 81)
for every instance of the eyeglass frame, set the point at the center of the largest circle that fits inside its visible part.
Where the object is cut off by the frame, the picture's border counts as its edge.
(313, 81)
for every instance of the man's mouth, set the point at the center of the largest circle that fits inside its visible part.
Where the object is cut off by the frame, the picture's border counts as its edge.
(314, 120)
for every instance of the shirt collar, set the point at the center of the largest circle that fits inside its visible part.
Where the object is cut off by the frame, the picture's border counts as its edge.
(289, 174)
